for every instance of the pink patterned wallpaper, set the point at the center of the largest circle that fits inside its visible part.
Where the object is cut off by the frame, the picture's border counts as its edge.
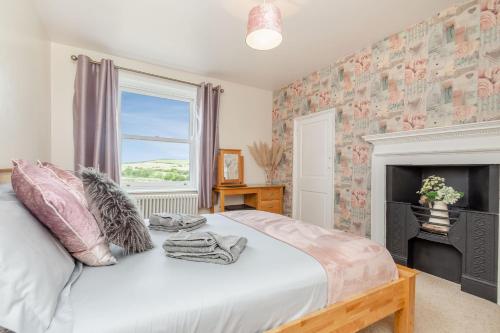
(439, 72)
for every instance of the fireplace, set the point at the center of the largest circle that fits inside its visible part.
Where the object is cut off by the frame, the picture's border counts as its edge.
(466, 251)
(467, 145)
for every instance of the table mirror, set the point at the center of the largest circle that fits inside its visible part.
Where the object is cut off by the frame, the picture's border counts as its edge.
(230, 167)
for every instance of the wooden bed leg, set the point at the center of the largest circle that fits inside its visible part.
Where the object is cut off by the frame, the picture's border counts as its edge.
(404, 319)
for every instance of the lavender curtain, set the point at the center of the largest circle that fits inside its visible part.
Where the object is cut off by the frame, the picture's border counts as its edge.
(94, 116)
(208, 110)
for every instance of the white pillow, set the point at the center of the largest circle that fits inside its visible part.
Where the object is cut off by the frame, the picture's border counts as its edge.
(34, 268)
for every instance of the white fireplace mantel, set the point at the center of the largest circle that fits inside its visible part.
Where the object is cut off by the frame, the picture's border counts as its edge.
(476, 143)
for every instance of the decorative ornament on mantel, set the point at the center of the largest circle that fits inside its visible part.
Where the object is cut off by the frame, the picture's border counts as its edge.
(264, 27)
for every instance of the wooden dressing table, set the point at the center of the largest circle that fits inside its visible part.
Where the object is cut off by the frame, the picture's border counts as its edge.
(268, 198)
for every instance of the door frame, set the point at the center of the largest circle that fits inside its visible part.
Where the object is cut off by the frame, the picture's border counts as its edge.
(295, 174)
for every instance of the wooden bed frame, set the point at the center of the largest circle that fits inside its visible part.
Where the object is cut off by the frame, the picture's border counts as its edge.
(5, 175)
(352, 315)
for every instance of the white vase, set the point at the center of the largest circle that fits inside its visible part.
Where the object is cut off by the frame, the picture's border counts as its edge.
(439, 225)
(442, 213)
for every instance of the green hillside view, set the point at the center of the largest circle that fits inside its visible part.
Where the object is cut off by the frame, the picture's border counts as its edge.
(157, 170)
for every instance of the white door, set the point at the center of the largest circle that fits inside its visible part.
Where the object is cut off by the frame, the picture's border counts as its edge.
(313, 169)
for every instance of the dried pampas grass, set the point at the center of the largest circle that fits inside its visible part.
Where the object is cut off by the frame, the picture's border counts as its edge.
(267, 157)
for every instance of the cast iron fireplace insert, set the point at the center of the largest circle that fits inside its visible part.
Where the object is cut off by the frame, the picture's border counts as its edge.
(467, 253)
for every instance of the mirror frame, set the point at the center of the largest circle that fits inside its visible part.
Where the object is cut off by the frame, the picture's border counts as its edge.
(220, 168)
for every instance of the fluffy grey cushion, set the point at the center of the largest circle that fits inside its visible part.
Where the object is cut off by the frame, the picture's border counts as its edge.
(116, 212)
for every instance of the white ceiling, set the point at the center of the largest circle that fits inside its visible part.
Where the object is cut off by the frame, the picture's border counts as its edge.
(208, 36)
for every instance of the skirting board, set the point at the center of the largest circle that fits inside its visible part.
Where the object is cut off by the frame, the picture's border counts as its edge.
(479, 288)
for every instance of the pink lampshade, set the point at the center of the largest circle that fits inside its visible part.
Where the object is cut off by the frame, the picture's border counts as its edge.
(264, 27)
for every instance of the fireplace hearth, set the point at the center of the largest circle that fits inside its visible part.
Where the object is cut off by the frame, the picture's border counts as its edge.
(464, 253)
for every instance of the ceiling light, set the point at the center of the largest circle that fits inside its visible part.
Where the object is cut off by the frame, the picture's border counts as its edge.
(264, 27)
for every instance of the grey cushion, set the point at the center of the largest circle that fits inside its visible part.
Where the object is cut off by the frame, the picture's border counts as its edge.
(115, 212)
(34, 268)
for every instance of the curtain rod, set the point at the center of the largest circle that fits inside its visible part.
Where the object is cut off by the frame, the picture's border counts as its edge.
(75, 58)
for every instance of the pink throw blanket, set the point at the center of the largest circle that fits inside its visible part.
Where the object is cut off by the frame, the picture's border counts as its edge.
(353, 264)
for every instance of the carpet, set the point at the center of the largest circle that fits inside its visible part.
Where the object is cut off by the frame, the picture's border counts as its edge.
(440, 307)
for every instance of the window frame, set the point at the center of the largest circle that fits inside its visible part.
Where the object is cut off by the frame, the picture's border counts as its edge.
(139, 84)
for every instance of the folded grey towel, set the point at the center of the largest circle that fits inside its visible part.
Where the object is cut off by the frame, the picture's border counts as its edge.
(161, 228)
(190, 242)
(226, 251)
(175, 222)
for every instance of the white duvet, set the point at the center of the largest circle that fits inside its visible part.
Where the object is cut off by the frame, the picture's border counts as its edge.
(271, 283)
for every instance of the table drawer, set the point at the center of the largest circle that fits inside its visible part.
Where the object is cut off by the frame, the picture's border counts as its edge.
(273, 206)
(270, 194)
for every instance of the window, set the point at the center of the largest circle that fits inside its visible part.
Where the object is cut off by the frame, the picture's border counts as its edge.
(157, 129)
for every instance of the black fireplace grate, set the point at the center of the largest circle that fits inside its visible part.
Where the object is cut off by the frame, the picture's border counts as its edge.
(435, 223)
(466, 253)
(465, 250)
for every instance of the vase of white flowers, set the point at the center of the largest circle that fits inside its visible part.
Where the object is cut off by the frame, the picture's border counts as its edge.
(438, 196)
(439, 213)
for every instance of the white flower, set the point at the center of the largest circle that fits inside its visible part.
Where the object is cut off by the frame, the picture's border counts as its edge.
(431, 184)
(448, 195)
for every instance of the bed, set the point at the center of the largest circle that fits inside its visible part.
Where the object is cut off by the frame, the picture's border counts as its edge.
(273, 287)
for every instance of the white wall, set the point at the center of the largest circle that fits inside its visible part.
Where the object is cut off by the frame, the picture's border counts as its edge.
(244, 112)
(24, 84)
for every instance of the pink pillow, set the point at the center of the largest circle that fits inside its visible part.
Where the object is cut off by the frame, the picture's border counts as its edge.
(68, 178)
(57, 208)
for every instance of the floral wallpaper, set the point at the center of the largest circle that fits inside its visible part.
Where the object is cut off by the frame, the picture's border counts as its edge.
(439, 72)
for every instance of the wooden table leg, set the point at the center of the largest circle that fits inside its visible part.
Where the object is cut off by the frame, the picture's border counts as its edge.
(221, 200)
(212, 209)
